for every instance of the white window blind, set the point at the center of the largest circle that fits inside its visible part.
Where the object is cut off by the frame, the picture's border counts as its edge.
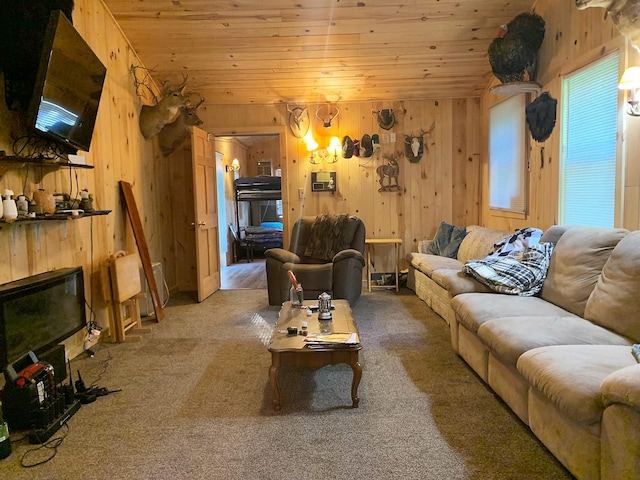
(507, 163)
(589, 128)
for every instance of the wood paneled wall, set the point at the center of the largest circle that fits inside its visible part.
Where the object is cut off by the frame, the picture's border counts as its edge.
(118, 152)
(573, 39)
(443, 185)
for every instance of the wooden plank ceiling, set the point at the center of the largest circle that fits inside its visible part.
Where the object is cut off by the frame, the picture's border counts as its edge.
(293, 51)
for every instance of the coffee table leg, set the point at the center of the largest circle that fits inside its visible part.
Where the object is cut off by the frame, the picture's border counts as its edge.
(357, 375)
(273, 377)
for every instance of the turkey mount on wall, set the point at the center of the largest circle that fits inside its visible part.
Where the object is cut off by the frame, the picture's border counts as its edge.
(541, 116)
(513, 53)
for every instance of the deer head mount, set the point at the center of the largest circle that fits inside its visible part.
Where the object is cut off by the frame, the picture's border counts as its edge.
(298, 121)
(173, 134)
(153, 118)
(624, 13)
(414, 145)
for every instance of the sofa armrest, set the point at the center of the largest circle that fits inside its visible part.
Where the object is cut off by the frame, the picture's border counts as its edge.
(347, 254)
(622, 386)
(282, 255)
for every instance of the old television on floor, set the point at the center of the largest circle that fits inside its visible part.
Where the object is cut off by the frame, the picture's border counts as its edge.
(39, 312)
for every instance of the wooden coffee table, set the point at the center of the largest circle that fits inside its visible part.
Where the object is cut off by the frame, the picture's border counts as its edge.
(293, 350)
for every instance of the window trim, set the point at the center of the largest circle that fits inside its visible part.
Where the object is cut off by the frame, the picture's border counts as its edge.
(526, 149)
(621, 154)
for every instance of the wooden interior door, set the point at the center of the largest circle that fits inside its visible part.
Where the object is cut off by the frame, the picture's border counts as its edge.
(206, 213)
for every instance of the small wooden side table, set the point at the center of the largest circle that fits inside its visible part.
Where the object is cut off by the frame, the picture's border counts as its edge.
(369, 243)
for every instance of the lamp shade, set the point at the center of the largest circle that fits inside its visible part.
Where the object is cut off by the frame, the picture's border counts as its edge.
(235, 165)
(311, 143)
(334, 145)
(630, 79)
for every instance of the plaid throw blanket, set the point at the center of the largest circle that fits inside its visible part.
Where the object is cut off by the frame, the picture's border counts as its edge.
(520, 272)
(326, 236)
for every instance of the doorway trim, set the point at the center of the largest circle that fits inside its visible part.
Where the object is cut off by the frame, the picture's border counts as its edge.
(281, 131)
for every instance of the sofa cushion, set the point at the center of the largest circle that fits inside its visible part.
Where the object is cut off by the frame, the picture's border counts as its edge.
(456, 282)
(622, 387)
(553, 234)
(576, 263)
(520, 272)
(427, 263)
(479, 242)
(508, 338)
(447, 240)
(615, 301)
(474, 309)
(570, 376)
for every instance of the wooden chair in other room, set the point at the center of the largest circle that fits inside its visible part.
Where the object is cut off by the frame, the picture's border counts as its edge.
(123, 290)
(241, 244)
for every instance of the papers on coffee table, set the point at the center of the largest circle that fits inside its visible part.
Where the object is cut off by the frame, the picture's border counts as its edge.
(319, 340)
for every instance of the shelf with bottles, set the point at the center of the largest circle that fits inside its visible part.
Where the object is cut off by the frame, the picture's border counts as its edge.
(58, 216)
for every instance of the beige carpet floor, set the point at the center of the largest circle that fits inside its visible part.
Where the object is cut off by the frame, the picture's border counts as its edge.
(196, 404)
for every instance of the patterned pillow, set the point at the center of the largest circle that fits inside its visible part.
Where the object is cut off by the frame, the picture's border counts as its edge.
(519, 240)
(447, 240)
(521, 272)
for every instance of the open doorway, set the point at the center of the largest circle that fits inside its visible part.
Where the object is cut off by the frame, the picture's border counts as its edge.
(259, 155)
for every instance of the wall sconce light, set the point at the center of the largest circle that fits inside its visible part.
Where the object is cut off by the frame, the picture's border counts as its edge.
(631, 81)
(312, 146)
(334, 147)
(234, 167)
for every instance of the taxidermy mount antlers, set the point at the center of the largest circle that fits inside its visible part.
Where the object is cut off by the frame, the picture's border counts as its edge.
(153, 118)
(173, 134)
(624, 13)
(298, 120)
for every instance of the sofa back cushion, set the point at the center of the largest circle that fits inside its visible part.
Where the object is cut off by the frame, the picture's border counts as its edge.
(553, 234)
(576, 264)
(479, 242)
(615, 301)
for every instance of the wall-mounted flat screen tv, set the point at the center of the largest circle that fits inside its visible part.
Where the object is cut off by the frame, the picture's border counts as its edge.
(68, 87)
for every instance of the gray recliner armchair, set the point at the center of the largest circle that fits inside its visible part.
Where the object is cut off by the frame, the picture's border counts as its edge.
(326, 254)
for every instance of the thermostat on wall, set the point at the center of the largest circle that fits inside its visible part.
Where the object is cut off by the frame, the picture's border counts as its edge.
(323, 181)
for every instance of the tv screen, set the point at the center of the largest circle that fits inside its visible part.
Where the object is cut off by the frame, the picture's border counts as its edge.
(68, 87)
(38, 312)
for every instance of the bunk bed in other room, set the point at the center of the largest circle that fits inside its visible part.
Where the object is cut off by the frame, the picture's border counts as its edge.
(258, 192)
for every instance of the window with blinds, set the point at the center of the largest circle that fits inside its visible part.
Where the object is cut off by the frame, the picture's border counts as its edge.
(507, 162)
(588, 153)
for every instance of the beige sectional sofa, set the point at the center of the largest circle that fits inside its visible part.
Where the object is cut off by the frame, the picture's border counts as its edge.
(562, 360)
(436, 279)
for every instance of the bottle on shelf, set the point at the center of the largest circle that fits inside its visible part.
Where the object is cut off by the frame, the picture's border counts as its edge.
(23, 206)
(9, 207)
